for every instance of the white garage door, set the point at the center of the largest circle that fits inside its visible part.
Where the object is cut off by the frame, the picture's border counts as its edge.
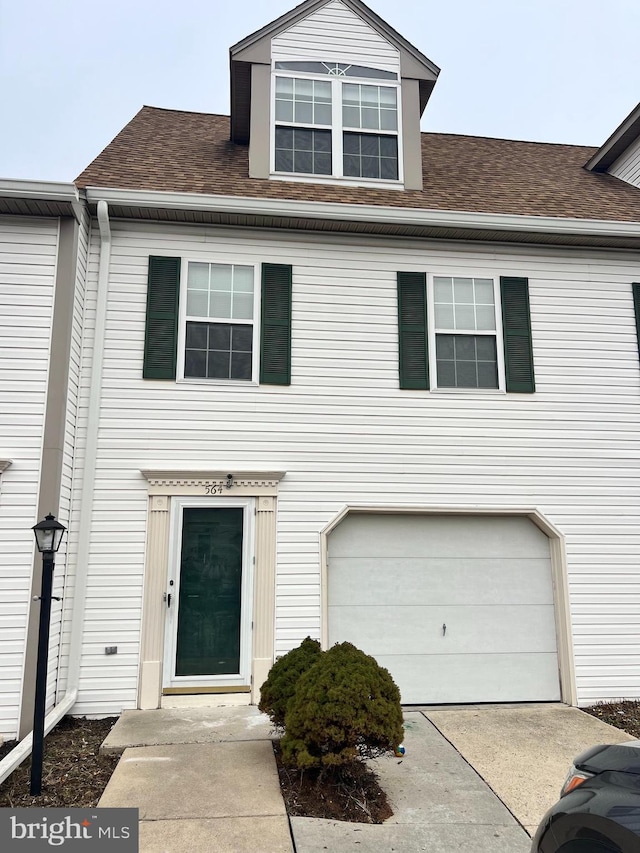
(458, 608)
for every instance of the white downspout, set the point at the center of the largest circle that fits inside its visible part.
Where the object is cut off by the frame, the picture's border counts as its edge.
(23, 749)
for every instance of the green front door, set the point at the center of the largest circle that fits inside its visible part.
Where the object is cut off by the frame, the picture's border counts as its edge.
(209, 600)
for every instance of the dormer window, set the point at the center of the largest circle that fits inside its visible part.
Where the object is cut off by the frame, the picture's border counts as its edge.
(333, 127)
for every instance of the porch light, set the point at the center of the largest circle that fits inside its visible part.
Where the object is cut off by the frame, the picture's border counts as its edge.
(48, 533)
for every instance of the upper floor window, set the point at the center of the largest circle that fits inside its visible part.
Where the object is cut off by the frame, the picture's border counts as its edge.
(465, 333)
(214, 321)
(460, 332)
(219, 321)
(335, 128)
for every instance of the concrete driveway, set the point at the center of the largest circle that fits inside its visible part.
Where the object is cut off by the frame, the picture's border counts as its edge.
(473, 778)
(522, 752)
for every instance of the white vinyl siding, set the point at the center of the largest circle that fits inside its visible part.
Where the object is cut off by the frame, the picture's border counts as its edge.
(627, 167)
(335, 34)
(345, 432)
(64, 577)
(28, 254)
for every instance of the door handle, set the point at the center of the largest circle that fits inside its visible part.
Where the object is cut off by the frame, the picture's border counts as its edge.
(167, 598)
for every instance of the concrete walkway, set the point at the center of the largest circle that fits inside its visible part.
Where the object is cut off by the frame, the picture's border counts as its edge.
(204, 780)
(472, 779)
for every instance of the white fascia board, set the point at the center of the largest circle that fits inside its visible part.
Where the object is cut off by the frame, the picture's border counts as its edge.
(363, 213)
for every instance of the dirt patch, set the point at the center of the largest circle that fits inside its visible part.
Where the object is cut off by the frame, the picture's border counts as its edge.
(349, 793)
(623, 715)
(73, 774)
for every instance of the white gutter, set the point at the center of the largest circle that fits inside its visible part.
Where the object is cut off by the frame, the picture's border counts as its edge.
(364, 213)
(23, 749)
(45, 191)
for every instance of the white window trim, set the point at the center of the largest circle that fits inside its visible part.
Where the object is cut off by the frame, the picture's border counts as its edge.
(337, 131)
(431, 334)
(182, 322)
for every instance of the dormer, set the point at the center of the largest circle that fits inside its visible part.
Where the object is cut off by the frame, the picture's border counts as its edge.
(330, 93)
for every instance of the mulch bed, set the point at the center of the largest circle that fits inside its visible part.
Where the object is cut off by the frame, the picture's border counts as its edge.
(623, 715)
(73, 774)
(349, 793)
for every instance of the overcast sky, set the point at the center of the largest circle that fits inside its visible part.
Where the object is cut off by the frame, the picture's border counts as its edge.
(73, 72)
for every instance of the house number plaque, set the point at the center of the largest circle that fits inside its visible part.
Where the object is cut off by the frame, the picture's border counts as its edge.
(213, 488)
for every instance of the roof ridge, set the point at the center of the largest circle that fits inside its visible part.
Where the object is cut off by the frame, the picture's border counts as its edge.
(505, 139)
(184, 112)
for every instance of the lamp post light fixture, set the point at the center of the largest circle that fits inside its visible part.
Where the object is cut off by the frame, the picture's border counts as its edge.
(48, 533)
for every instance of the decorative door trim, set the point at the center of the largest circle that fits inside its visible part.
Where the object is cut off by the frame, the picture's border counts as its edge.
(166, 484)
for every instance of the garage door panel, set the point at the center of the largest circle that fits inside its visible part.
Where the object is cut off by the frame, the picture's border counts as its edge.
(395, 580)
(428, 580)
(395, 629)
(435, 679)
(453, 536)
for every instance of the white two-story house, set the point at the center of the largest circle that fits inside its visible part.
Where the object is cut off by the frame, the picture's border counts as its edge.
(345, 379)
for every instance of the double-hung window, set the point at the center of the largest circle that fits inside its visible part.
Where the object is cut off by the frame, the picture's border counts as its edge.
(303, 130)
(343, 125)
(465, 335)
(219, 321)
(211, 320)
(370, 131)
(463, 332)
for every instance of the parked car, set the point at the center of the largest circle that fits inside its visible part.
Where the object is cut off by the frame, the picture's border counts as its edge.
(599, 806)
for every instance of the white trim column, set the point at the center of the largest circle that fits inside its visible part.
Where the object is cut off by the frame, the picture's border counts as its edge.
(152, 646)
(264, 607)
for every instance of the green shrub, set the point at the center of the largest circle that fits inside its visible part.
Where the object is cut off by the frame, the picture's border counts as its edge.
(283, 677)
(345, 707)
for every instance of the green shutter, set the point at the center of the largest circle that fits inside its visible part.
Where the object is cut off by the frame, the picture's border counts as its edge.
(275, 328)
(516, 328)
(636, 307)
(161, 336)
(412, 330)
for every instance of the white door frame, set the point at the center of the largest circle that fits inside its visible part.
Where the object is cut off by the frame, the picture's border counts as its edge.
(243, 677)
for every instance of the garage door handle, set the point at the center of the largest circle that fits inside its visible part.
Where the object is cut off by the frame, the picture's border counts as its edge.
(444, 629)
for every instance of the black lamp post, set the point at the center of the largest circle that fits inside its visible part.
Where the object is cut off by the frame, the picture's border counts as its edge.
(48, 535)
